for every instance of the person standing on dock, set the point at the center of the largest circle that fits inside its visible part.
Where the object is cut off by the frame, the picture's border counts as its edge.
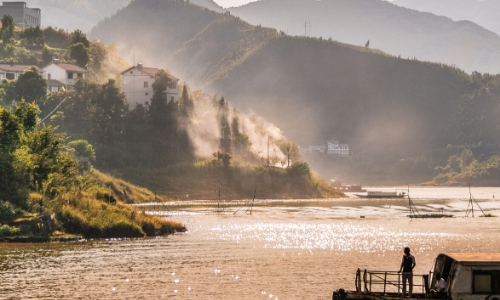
(407, 265)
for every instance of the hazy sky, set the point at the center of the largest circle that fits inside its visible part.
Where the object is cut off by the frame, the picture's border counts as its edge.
(230, 3)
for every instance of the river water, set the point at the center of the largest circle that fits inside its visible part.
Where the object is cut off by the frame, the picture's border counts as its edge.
(298, 249)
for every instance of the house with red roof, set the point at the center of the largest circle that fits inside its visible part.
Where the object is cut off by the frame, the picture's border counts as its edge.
(60, 75)
(12, 72)
(138, 86)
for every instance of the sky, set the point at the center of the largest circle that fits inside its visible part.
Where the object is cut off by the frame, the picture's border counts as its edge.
(232, 3)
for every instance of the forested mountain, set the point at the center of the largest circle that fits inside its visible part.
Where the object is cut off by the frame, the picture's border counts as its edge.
(482, 12)
(393, 29)
(71, 15)
(387, 108)
(210, 4)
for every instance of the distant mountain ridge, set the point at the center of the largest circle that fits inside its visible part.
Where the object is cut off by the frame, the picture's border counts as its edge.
(485, 13)
(393, 29)
(387, 108)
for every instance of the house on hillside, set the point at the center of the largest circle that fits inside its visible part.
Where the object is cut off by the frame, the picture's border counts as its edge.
(23, 16)
(334, 148)
(12, 72)
(138, 86)
(62, 75)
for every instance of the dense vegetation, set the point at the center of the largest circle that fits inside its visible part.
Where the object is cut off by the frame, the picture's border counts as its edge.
(154, 146)
(398, 115)
(48, 186)
(43, 182)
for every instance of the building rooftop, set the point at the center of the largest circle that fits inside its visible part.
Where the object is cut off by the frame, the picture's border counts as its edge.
(148, 70)
(69, 67)
(53, 82)
(474, 257)
(17, 68)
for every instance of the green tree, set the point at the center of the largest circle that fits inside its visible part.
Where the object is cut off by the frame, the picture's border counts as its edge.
(466, 158)
(32, 37)
(56, 38)
(8, 92)
(83, 149)
(31, 86)
(225, 129)
(163, 120)
(7, 31)
(186, 104)
(78, 36)
(80, 54)
(47, 56)
(27, 114)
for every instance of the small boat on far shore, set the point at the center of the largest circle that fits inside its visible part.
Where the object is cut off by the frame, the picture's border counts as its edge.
(382, 194)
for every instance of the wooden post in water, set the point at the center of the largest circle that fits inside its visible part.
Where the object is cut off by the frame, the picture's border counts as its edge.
(385, 280)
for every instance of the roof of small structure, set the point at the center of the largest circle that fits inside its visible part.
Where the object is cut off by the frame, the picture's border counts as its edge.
(475, 257)
(53, 82)
(18, 68)
(150, 71)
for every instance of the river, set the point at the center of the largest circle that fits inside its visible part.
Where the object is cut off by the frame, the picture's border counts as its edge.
(298, 249)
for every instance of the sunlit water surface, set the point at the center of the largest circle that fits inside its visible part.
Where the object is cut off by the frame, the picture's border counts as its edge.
(284, 250)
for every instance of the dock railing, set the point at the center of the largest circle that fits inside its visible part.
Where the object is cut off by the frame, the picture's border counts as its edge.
(385, 282)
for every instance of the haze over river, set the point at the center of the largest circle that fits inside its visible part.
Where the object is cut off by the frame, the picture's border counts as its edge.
(297, 249)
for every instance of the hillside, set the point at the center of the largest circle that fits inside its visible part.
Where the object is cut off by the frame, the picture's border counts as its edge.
(387, 108)
(210, 4)
(390, 28)
(483, 12)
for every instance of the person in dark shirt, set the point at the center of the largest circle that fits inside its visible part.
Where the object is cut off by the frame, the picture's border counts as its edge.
(407, 265)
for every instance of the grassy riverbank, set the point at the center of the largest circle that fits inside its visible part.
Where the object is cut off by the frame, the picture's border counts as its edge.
(97, 208)
(202, 180)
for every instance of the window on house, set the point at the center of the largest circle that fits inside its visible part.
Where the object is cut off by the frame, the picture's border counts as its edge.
(145, 84)
(147, 94)
(49, 76)
(146, 103)
(70, 75)
(79, 75)
(172, 98)
(10, 76)
(173, 85)
(131, 72)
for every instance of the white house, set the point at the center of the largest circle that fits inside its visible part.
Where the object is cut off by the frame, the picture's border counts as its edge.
(59, 75)
(12, 72)
(338, 149)
(23, 16)
(138, 85)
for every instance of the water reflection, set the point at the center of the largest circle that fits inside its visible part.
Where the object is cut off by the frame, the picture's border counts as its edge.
(302, 250)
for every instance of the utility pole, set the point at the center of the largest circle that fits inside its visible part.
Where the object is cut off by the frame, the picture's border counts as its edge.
(305, 28)
(268, 151)
(288, 155)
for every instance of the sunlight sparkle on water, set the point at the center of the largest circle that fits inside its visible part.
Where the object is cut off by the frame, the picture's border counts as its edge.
(341, 237)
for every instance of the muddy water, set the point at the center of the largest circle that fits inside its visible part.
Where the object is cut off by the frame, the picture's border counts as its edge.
(284, 250)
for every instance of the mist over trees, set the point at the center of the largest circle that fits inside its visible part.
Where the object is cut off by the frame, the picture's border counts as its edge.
(394, 112)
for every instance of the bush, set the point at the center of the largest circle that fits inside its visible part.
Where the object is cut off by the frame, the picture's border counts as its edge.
(6, 230)
(73, 220)
(8, 211)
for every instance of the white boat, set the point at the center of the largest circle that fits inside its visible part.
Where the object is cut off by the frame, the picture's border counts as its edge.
(469, 276)
(381, 194)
